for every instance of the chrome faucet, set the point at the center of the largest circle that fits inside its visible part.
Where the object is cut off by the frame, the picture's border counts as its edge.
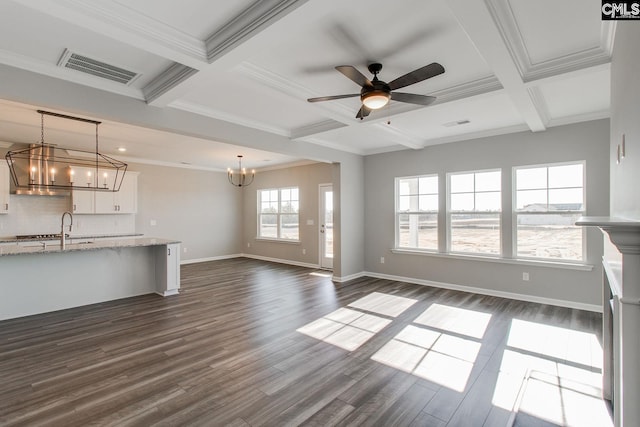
(63, 237)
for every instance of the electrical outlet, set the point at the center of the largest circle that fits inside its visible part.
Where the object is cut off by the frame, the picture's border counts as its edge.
(184, 250)
(304, 252)
(248, 244)
(525, 276)
(152, 223)
(381, 260)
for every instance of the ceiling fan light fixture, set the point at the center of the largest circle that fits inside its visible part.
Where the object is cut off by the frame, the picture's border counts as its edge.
(375, 99)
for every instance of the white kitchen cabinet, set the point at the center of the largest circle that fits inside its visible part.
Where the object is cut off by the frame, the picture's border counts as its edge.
(4, 188)
(83, 200)
(168, 269)
(124, 201)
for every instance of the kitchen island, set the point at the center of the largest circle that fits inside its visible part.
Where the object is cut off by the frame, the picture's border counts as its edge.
(40, 277)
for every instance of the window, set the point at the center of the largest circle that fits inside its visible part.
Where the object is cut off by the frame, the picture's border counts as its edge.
(278, 212)
(417, 212)
(474, 212)
(549, 199)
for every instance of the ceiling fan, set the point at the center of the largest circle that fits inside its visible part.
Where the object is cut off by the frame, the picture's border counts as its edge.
(376, 93)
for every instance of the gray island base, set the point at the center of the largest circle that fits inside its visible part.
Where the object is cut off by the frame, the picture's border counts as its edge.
(39, 279)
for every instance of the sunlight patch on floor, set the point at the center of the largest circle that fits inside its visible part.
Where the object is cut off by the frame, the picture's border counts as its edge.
(576, 347)
(562, 402)
(321, 273)
(443, 359)
(385, 304)
(458, 320)
(559, 372)
(345, 328)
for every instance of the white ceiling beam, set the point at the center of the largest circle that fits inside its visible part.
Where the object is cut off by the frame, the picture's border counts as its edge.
(477, 21)
(251, 21)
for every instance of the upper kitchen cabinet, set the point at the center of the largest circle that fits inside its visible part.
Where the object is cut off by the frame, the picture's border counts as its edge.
(4, 188)
(124, 201)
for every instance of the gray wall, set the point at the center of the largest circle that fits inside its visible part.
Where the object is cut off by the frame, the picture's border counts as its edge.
(199, 208)
(625, 119)
(585, 141)
(307, 178)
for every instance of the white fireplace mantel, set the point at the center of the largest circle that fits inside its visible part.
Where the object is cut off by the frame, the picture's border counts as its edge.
(621, 318)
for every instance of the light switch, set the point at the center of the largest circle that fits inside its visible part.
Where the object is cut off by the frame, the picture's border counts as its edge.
(309, 222)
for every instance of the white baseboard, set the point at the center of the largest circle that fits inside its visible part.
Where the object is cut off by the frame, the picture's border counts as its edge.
(281, 261)
(490, 292)
(343, 279)
(168, 293)
(214, 258)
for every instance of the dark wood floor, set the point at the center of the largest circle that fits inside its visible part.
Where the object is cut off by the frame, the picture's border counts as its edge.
(226, 351)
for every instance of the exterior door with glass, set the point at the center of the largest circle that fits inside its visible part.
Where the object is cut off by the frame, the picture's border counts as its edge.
(326, 226)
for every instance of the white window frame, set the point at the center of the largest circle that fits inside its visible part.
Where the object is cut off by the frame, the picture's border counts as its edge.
(516, 213)
(397, 212)
(278, 214)
(451, 212)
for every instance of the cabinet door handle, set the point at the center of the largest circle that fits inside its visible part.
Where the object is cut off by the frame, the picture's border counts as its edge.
(169, 251)
(74, 207)
(6, 206)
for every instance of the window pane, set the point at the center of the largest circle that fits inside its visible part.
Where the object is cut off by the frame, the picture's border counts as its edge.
(531, 178)
(531, 200)
(269, 207)
(461, 183)
(428, 203)
(475, 233)
(289, 227)
(269, 226)
(294, 194)
(404, 203)
(565, 199)
(488, 181)
(549, 236)
(285, 194)
(428, 185)
(408, 186)
(273, 195)
(488, 202)
(418, 231)
(462, 202)
(565, 176)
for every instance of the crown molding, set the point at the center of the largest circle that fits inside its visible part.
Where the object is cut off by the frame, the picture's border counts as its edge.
(578, 118)
(506, 23)
(170, 78)
(332, 145)
(465, 90)
(52, 70)
(316, 128)
(478, 134)
(248, 23)
(231, 118)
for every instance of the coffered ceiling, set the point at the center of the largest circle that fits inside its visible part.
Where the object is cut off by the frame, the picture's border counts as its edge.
(511, 65)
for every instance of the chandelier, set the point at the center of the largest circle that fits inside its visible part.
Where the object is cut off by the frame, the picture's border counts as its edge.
(241, 180)
(45, 168)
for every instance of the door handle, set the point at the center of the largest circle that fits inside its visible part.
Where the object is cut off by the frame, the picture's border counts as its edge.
(322, 228)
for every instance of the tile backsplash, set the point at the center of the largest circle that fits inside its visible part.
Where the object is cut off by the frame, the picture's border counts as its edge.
(42, 214)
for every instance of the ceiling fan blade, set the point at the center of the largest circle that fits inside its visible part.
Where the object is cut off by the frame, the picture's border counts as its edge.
(352, 73)
(412, 98)
(329, 98)
(363, 112)
(416, 76)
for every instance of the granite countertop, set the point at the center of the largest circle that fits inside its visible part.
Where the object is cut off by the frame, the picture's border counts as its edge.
(12, 239)
(53, 246)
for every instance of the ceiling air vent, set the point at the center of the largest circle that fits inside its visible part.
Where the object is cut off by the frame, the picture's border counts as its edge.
(96, 68)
